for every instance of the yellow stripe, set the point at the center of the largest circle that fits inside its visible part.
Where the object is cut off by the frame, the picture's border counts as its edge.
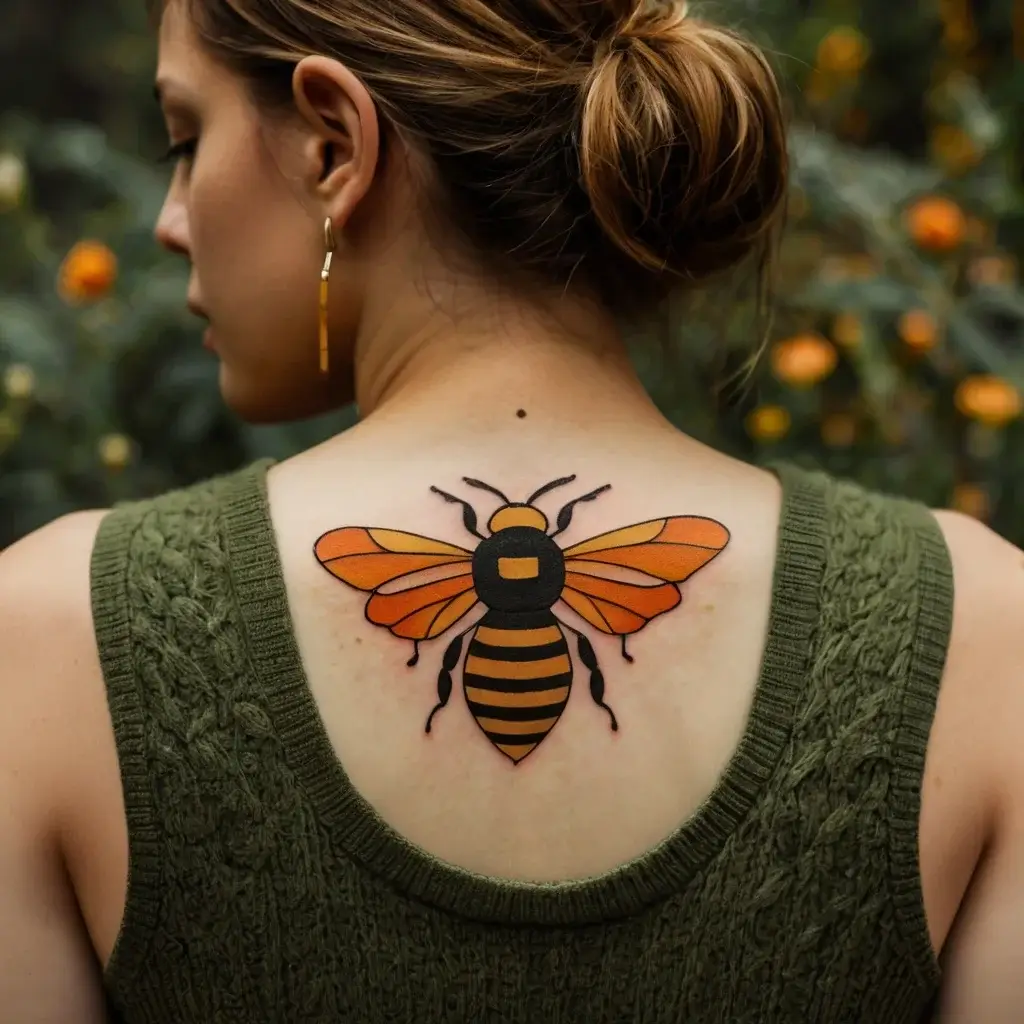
(518, 637)
(501, 728)
(556, 666)
(518, 751)
(530, 699)
(518, 568)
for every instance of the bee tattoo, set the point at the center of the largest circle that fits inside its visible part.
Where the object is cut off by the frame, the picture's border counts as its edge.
(517, 671)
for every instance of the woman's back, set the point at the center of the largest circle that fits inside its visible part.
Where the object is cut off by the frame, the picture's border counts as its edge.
(678, 713)
(770, 743)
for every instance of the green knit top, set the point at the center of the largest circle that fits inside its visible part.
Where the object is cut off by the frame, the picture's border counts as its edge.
(264, 888)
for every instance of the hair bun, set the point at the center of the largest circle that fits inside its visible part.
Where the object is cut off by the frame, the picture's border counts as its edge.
(682, 142)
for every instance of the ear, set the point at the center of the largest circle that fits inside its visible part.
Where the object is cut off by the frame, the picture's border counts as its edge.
(345, 138)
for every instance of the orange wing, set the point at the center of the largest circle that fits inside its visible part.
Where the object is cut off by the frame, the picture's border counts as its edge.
(667, 550)
(368, 558)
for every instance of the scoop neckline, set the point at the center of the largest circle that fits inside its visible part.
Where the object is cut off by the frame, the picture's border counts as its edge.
(625, 890)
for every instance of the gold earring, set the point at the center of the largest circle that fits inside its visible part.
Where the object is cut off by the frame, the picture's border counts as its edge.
(325, 277)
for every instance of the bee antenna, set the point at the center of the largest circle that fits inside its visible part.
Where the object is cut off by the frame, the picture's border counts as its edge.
(485, 487)
(550, 487)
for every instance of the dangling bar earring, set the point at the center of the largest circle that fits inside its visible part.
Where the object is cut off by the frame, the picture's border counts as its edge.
(325, 277)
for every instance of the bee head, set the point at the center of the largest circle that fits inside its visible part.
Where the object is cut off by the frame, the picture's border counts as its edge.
(518, 515)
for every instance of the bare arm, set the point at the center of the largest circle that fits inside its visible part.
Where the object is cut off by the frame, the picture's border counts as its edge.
(983, 959)
(49, 973)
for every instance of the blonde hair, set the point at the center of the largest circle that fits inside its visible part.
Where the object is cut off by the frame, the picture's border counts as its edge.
(618, 145)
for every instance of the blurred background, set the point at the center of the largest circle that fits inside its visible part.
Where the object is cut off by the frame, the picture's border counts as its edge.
(894, 356)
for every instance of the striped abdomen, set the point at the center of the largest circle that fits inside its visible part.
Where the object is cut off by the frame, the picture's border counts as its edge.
(517, 678)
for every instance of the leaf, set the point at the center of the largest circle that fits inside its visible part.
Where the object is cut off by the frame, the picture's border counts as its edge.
(28, 334)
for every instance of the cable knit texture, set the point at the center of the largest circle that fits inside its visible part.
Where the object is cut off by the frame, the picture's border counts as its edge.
(263, 888)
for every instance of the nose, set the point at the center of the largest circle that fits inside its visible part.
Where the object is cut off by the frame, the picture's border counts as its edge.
(172, 230)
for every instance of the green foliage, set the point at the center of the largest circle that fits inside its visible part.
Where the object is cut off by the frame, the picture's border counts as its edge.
(113, 397)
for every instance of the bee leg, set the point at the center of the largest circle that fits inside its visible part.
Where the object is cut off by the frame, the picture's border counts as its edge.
(415, 654)
(444, 677)
(589, 659)
(625, 653)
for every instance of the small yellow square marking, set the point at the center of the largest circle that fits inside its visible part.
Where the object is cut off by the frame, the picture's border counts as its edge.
(518, 568)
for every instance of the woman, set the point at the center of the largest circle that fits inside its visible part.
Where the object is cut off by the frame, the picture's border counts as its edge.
(297, 744)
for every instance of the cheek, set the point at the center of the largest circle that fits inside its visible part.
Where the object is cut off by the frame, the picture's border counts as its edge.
(257, 271)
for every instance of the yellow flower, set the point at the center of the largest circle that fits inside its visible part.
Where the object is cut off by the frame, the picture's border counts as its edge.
(988, 399)
(115, 451)
(918, 330)
(839, 430)
(19, 381)
(88, 272)
(13, 179)
(986, 271)
(848, 330)
(769, 423)
(844, 51)
(936, 223)
(803, 360)
(972, 500)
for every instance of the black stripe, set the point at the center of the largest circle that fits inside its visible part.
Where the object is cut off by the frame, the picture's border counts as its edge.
(517, 685)
(518, 620)
(526, 740)
(539, 653)
(534, 714)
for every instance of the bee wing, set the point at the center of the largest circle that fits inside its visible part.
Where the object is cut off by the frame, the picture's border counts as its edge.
(664, 551)
(367, 558)
(425, 611)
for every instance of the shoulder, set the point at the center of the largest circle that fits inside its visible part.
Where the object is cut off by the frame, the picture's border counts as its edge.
(988, 585)
(985, 661)
(50, 696)
(976, 750)
(47, 640)
(44, 584)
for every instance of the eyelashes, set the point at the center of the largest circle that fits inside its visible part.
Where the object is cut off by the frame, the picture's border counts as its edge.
(180, 151)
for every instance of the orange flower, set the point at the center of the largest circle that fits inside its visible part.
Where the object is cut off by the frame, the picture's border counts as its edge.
(88, 272)
(839, 430)
(936, 223)
(918, 329)
(988, 399)
(844, 51)
(803, 360)
(768, 423)
(972, 500)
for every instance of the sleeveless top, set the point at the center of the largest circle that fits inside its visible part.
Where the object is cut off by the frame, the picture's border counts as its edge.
(262, 887)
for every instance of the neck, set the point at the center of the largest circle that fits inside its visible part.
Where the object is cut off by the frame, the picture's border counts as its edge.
(479, 373)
